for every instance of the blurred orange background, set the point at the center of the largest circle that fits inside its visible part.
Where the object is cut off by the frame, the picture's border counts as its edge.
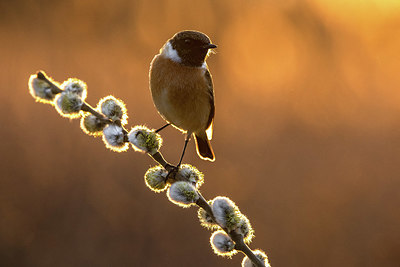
(307, 134)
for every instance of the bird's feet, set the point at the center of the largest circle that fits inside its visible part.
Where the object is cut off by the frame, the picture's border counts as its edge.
(172, 171)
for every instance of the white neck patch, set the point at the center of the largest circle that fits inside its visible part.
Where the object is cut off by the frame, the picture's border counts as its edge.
(169, 52)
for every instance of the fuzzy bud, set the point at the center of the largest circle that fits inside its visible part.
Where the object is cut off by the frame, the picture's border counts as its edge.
(259, 254)
(155, 178)
(183, 194)
(190, 174)
(92, 125)
(113, 108)
(226, 213)
(145, 140)
(69, 105)
(40, 89)
(244, 229)
(206, 220)
(75, 86)
(222, 244)
(114, 138)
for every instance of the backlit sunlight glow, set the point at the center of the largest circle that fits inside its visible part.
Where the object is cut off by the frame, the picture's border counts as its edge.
(113, 108)
(232, 231)
(306, 136)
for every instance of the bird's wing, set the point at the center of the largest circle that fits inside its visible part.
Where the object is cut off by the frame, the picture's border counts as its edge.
(210, 122)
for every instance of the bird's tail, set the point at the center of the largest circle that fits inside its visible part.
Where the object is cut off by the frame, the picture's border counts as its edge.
(203, 147)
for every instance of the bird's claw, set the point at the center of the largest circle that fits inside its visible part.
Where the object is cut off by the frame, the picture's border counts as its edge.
(172, 171)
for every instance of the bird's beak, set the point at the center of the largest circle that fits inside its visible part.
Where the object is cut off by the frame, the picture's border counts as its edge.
(210, 46)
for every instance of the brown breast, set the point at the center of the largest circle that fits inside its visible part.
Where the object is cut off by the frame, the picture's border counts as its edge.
(180, 93)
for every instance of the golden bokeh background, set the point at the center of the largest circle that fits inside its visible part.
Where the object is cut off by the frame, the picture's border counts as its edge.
(307, 132)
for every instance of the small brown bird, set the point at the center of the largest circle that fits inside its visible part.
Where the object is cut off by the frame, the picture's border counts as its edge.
(182, 88)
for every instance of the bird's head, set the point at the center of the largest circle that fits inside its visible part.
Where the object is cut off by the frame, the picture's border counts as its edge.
(189, 48)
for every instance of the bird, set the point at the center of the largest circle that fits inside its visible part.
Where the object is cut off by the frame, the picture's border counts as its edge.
(182, 88)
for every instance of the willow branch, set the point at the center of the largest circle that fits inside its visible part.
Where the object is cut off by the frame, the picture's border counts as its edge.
(238, 239)
(240, 245)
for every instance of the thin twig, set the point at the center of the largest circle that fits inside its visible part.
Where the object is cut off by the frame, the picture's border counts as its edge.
(240, 245)
(158, 157)
(54, 88)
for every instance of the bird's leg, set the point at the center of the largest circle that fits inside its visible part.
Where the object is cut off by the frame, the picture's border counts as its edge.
(184, 148)
(176, 168)
(162, 128)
